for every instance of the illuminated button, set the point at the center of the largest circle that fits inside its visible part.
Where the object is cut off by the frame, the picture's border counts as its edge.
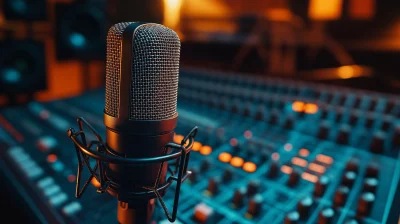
(255, 205)
(326, 216)
(370, 184)
(365, 203)
(238, 197)
(304, 152)
(206, 150)
(341, 196)
(45, 182)
(349, 178)
(253, 187)
(237, 162)
(225, 157)
(34, 172)
(203, 212)
(249, 167)
(316, 168)
(72, 178)
(304, 206)
(299, 162)
(58, 199)
(51, 158)
(309, 177)
(58, 166)
(292, 217)
(310, 108)
(47, 143)
(95, 182)
(298, 106)
(51, 190)
(321, 185)
(327, 160)
(72, 208)
(196, 146)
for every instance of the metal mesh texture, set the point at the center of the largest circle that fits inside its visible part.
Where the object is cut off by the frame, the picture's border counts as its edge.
(113, 65)
(155, 67)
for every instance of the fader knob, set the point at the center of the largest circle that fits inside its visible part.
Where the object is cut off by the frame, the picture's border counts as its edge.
(321, 186)
(323, 131)
(253, 187)
(273, 118)
(304, 206)
(227, 175)
(293, 178)
(343, 135)
(273, 169)
(255, 205)
(378, 142)
(370, 184)
(213, 185)
(353, 165)
(193, 176)
(365, 203)
(238, 197)
(373, 169)
(292, 217)
(348, 178)
(341, 196)
(326, 216)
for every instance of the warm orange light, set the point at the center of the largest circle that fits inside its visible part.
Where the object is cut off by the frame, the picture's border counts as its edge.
(310, 108)
(362, 9)
(196, 146)
(309, 177)
(237, 162)
(225, 157)
(95, 182)
(51, 158)
(275, 156)
(298, 106)
(299, 162)
(304, 152)
(349, 71)
(325, 159)
(317, 168)
(288, 147)
(178, 138)
(206, 150)
(325, 9)
(279, 14)
(249, 167)
(172, 13)
(286, 169)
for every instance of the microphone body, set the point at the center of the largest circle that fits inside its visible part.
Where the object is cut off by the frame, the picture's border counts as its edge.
(140, 110)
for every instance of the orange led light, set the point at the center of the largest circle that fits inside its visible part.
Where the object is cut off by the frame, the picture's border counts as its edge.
(304, 152)
(299, 162)
(72, 178)
(317, 168)
(196, 146)
(288, 147)
(225, 157)
(311, 108)
(275, 156)
(237, 162)
(249, 167)
(248, 134)
(233, 142)
(51, 158)
(309, 177)
(298, 106)
(325, 159)
(95, 182)
(206, 150)
(286, 169)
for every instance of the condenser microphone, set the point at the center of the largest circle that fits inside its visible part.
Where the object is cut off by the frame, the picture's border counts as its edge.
(140, 115)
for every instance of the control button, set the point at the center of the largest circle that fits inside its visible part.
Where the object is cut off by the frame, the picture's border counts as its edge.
(341, 196)
(370, 184)
(45, 182)
(348, 178)
(51, 190)
(227, 175)
(205, 165)
(213, 185)
(72, 208)
(238, 197)
(373, 169)
(378, 142)
(273, 169)
(253, 187)
(58, 199)
(323, 131)
(294, 178)
(193, 176)
(203, 212)
(352, 165)
(255, 205)
(46, 143)
(58, 166)
(321, 186)
(343, 135)
(304, 206)
(292, 217)
(326, 216)
(365, 203)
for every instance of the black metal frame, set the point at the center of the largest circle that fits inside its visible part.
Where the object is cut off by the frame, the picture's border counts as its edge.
(103, 158)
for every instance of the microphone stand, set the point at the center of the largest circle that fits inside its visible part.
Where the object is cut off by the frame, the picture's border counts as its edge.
(135, 212)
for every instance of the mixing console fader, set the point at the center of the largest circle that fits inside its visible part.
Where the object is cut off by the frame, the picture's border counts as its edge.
(268, 151)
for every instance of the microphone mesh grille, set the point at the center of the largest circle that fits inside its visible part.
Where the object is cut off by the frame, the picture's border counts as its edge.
(155, 67)
(113, 65)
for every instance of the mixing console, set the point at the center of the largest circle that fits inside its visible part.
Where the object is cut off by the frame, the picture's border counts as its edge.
(268, 151)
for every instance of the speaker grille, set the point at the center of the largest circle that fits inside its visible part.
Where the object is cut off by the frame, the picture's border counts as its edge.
(155, 67)
(113, 68)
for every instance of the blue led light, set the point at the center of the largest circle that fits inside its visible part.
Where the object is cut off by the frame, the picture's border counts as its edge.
(10, 75)
(77, 40)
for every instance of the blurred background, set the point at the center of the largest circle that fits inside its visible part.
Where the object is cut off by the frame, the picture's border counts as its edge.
(54, 49)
